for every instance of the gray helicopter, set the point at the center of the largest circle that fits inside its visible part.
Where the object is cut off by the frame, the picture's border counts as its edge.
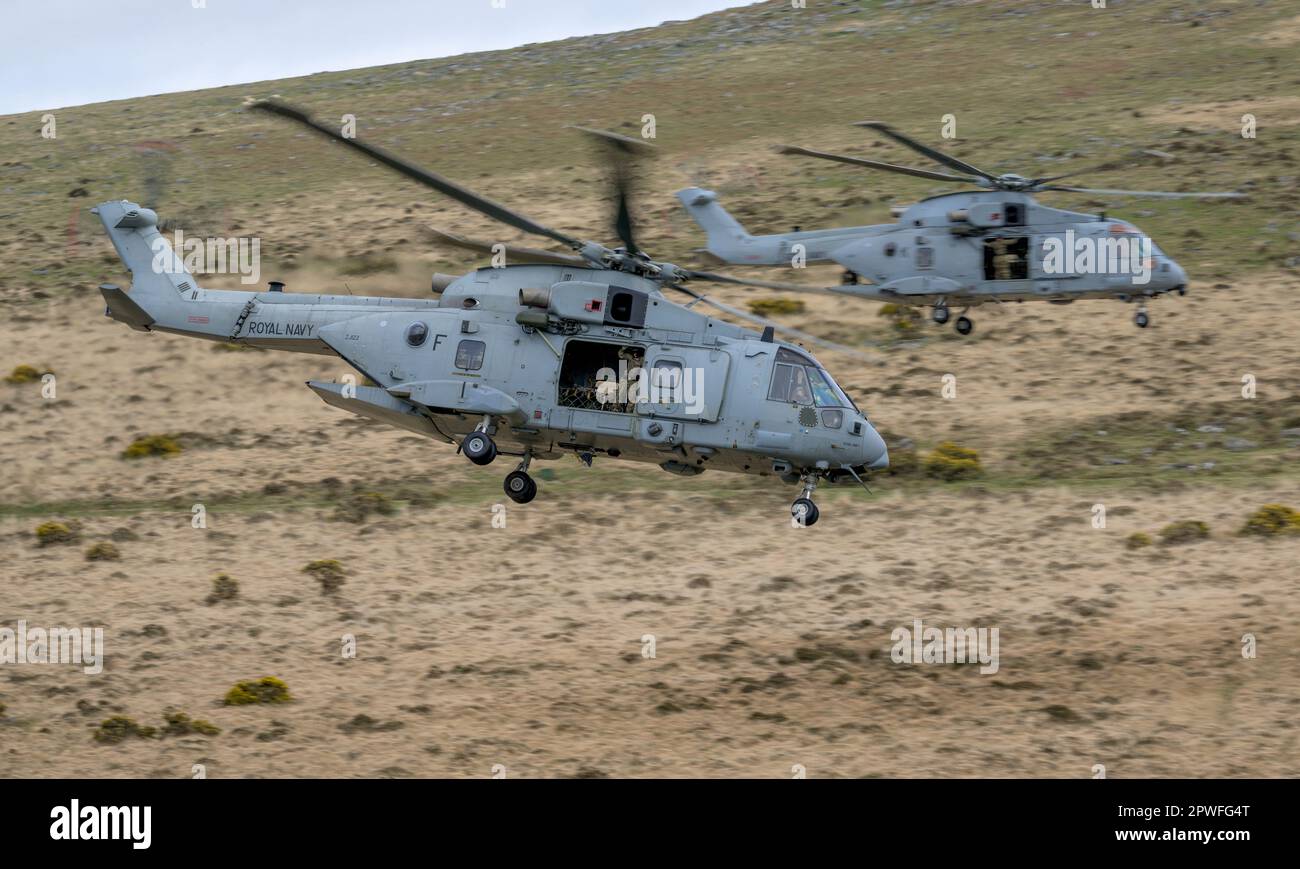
(968, 248)
(578, 354)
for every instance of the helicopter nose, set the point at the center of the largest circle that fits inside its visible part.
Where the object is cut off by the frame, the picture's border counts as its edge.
(874, 452)
(1177, 275)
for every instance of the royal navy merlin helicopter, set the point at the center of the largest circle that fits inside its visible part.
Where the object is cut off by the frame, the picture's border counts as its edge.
(968, 248)
(578, 354)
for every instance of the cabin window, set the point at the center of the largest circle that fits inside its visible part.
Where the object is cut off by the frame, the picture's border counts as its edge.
(924, 257)
(469, 354)
(416, 333)
(666, 382)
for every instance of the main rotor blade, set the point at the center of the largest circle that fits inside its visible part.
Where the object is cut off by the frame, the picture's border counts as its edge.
(625, 144)
(751, 282)
(513, 252)
(872, 164)
(1098, 168)
(447, 187)
(1159, 194)
(776, 327)
(937, 156)
(623, 150)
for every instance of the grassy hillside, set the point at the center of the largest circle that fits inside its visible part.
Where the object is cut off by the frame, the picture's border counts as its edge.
(1035, 85)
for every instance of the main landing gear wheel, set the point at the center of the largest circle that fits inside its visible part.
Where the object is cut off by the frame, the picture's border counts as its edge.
(963, 325)
(520, 487)
(940, 314)
(479, 448)
(804, 511)
(1141, 320)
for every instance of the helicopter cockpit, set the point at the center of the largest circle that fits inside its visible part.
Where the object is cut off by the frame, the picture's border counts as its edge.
(799, 380)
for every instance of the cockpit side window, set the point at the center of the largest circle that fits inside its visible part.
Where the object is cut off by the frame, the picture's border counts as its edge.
(798, 380)
(790, 383)
(780, 390)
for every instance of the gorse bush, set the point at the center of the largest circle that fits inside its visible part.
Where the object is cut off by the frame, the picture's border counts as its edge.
(1184, 531)
(1137, 540)
(329, 572)
(51, 533)
(268, 689)
(769, 307)
(903, 318)
(23, 374)
(1272, 520)
(224, 588)
(360, 507)
(152, 445)
(180, 724)
(103, 551)
(118, 728)
(949, 462)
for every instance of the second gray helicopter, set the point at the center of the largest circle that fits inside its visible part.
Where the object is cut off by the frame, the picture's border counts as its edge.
(960, 250)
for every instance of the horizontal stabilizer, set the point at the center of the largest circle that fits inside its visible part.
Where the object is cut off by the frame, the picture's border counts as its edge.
(123, 308)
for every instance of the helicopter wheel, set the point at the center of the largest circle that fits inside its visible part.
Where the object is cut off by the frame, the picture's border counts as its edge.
(805, 511)
(963, 325)
(520, 487)
(479, 448)
(1141, 320)
(940, 314)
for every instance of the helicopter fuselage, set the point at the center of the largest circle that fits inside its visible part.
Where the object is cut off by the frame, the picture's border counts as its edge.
(547, 359)
(970, 248)
(556, 357)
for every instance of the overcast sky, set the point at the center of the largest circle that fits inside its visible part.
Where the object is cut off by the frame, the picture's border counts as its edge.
(61, 53)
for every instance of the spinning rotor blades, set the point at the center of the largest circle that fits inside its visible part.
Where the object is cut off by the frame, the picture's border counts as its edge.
(980, 178)
(592, 255)
(445, 186)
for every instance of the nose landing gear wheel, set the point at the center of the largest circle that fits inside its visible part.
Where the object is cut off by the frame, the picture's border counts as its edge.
(963, 325)
(479, 448)
(520, 487)
(805, 511)
(1140, 319)
(940, 314)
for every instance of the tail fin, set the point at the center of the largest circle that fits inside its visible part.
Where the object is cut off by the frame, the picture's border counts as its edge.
(155, 268)
(725, 233)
